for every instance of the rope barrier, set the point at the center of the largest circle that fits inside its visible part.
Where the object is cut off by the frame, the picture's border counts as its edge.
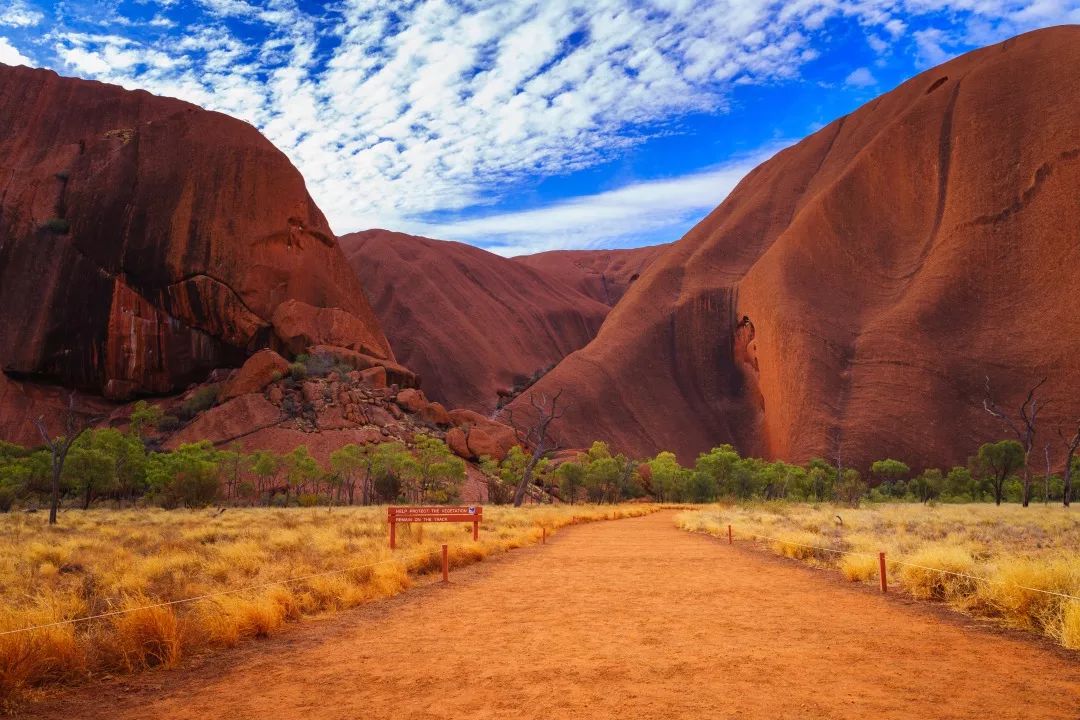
(814, 547)
(976, 578)
(207, 596)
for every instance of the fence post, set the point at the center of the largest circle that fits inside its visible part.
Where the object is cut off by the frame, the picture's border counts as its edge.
(445, 565)
(393, 534)
(729, 540)
(543, 535)
(881, 573)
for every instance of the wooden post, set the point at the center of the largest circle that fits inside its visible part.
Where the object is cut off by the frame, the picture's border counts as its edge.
(445, 565)
(729, 540)
(476, 530)
(543, 535)
(393, 534)
(881, 573)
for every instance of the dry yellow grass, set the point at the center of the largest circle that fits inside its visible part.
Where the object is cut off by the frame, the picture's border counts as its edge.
(103, 561)
(1005, 563)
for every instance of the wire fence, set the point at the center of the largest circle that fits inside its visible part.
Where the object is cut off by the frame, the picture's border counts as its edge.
(220, 593)
(976, 578)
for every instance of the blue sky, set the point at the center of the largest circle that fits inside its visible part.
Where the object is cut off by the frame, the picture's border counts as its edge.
(517, 125)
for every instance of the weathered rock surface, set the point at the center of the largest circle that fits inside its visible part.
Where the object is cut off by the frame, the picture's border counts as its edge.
(861, 284)
(145, 241)
(468, 321)
(603, 275)
(258, 371)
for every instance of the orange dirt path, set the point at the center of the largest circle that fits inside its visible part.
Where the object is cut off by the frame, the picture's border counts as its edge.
(625, 619)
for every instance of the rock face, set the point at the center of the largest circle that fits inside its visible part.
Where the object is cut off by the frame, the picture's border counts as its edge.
(860, 285)
(467, 321)
(144, 241)
(603, 275)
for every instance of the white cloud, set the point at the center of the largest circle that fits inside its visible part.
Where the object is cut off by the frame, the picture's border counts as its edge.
(860, 78)
(931, 46)
(10, 55)
(606, 219)
(16, 13)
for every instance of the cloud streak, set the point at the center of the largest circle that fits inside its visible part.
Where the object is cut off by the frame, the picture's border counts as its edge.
(615, 218)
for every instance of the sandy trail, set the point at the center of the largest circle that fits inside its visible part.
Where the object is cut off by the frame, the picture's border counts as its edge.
(625, 619)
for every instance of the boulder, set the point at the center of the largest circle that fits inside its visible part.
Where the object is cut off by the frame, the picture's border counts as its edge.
(412, 400)
(258, 371)
(493, 440)
(375, 376)
(300, 326)
(458, 443)
(461, 417)
(435, 414)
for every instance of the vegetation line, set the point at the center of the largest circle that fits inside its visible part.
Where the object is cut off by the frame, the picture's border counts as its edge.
(207, 596)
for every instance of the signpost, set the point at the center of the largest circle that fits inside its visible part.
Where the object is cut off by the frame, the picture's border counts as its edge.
(434, 513)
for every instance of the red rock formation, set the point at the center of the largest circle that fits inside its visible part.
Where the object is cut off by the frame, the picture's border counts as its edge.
(144, 241)
(862, 283)
(469, 322)
(603, 275)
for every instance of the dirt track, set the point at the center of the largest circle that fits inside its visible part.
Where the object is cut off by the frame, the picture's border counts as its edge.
(626, 619)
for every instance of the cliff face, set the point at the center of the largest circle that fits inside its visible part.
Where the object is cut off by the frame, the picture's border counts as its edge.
(144, 241)
(857, 288)
(469, 322)
(603, 275)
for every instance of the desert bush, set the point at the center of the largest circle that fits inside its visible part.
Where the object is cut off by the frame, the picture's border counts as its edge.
(317, 364)
(297, 371)
(858, 568)
(201, 400)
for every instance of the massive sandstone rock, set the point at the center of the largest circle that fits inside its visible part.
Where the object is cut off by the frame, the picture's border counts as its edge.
(469, 322)
(144, 241)
(603, 275)
(858, 287)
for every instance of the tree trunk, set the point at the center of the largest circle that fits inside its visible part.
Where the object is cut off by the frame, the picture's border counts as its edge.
(1066, 478)
(56, 468)
(86, 500)
(526, 477)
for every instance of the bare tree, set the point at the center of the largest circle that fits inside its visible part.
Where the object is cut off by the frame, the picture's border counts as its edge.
(536, 435)
(1046, 478)
(1023, 426)
(1071, 444)
(75, 424)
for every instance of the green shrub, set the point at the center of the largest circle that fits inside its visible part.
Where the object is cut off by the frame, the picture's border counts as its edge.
(168, 423)
(308, 500)
(7, 498)
(57, 225)
(297, 370)
(203, 399)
